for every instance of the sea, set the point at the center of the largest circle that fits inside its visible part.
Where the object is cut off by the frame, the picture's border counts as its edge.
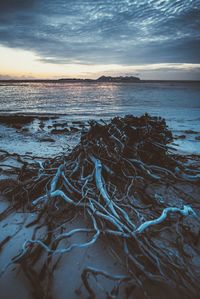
(177, 102)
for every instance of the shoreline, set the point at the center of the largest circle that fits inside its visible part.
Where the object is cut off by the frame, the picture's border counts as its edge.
(54, 128)
(33, 134)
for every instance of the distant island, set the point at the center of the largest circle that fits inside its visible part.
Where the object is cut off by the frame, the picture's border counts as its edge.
(120, 79)
(106, 79)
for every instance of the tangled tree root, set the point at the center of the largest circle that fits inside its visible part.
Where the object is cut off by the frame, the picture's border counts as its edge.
(108, 177)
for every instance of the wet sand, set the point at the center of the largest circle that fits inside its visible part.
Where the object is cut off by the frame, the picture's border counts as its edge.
(41, 136)
(66, 278)
(35, 139)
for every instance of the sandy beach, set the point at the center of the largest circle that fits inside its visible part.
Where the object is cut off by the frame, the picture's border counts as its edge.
(31, 142)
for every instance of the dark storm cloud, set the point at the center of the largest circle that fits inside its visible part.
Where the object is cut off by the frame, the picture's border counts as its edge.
(15, 5)
(115, 32)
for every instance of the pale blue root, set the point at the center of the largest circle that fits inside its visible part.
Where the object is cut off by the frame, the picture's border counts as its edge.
(187, 210)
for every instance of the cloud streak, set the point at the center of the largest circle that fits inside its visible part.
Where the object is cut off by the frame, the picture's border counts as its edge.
(121, 32)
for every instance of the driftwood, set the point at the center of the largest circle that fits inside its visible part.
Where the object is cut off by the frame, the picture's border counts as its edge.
(106, 178)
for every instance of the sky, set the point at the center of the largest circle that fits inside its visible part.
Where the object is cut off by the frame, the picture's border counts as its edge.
(152, 39)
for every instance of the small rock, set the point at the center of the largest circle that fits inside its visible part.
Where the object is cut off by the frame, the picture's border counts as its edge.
(74, 130)
(47, 139)
(197, 138)
(182, 136)
(25, 129)
(55, 131)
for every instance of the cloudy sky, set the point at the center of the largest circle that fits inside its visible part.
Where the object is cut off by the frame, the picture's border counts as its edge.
(154, 39)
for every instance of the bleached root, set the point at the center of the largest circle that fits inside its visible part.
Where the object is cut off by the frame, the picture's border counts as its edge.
(104, 181)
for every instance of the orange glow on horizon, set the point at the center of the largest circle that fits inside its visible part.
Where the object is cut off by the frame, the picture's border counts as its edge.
(21, 64)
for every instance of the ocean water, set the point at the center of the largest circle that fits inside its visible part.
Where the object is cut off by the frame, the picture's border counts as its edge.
(178, 103)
